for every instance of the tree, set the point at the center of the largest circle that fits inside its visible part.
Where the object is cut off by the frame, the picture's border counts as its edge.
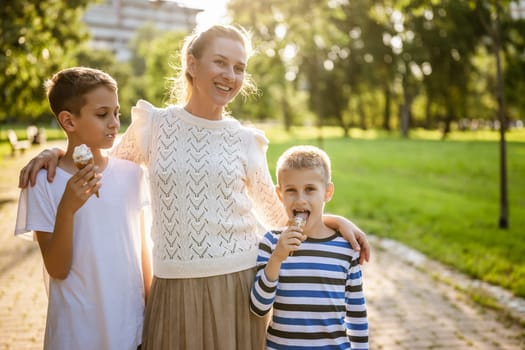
(38, 39)
(492, 25)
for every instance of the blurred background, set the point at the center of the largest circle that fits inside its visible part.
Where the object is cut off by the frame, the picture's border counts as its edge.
(391, 65)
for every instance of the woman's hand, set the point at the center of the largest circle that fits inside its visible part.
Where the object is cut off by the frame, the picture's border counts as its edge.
(47, 159)
(362, 242)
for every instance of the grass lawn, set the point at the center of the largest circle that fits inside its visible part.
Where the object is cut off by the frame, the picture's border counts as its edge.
(439, 197)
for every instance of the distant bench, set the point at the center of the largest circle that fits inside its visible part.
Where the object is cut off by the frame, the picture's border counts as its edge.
(17, 145)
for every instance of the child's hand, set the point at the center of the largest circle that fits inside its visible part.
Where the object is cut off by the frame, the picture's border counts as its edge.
(289, 241)
(80, 187)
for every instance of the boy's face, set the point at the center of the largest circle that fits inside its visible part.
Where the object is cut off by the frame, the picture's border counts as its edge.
(304, 190)
(98, 123)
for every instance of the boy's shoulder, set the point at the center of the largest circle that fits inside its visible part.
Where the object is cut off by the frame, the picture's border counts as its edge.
(274, 233)
(341, 243)
(42, 182)
(272, 236)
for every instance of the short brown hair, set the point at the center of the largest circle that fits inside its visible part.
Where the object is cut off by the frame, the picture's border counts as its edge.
(65, 90)
(305, 157)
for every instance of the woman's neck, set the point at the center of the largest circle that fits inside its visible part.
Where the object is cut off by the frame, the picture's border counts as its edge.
(204, 111)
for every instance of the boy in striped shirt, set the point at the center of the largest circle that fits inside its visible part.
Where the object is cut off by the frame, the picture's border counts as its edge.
(310, 276)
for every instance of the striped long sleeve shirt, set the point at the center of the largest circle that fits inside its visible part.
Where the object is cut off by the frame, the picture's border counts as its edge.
(318, 300)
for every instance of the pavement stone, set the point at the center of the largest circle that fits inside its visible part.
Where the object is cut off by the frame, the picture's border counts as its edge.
(413, 303)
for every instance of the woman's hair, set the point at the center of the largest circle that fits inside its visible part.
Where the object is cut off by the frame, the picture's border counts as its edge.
(65, 90)
(195, 44)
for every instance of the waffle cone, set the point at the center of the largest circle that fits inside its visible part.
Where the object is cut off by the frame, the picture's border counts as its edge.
(297, 221)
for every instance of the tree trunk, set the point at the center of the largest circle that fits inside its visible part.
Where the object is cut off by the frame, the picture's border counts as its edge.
(504, 206)
(405, 110)
(428, 112)
(388, 103)
(287, 116)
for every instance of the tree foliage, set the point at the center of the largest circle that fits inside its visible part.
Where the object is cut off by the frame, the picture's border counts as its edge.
(393, 64)
(38, 38)
(389, 64)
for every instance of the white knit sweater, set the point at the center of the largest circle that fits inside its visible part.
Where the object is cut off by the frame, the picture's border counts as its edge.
(209, 181)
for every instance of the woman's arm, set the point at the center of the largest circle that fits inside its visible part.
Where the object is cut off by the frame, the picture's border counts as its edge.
(132, 146)
(47, 159)
(351, 233)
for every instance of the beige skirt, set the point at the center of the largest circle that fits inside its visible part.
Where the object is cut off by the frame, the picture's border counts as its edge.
(203, 314)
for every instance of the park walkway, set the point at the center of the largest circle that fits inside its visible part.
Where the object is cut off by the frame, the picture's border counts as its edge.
(412, 303)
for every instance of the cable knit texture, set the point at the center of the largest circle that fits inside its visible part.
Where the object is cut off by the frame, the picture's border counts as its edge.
(209, 184)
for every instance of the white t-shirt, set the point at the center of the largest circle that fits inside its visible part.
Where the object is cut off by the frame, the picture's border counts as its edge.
(100, 305)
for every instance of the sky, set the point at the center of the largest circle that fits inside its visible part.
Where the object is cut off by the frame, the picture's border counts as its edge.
(214, 10)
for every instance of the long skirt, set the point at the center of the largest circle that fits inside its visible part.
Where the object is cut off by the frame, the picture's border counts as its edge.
(210, 313)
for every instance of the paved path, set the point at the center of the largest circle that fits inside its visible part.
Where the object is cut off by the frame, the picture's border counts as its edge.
(410, 303)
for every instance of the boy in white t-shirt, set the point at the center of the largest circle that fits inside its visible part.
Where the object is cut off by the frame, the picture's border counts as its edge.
(93, 248)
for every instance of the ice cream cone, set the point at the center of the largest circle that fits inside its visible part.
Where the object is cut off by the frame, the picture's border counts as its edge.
(298, 220)
(82, 157)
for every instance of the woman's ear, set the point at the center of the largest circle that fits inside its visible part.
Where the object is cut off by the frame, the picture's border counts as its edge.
(65, 119)
(191, 63)
(329, 192)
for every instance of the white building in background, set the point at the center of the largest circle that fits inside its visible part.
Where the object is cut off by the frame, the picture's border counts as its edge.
(113, 23)
(517, 9)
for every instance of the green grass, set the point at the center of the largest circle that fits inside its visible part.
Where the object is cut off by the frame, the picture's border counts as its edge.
(439, 197)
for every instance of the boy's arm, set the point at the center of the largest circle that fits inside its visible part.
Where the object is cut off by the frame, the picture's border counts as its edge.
(147, 274)
(356, 316)
(289, 241)
(351, 233)
(269, 264)
(57, 247)
(264, 289)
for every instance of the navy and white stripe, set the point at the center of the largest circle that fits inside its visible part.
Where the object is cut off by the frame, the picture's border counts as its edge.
(318, 301)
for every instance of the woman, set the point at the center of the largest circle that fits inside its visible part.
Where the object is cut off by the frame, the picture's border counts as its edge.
(210, 184)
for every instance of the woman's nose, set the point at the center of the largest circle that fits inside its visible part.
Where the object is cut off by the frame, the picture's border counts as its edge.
(228, 73)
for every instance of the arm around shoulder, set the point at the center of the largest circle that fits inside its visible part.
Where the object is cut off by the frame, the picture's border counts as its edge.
(352, 233)
(47, 159)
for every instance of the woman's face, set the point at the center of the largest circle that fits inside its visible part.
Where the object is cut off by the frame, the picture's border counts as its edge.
(219, 74)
